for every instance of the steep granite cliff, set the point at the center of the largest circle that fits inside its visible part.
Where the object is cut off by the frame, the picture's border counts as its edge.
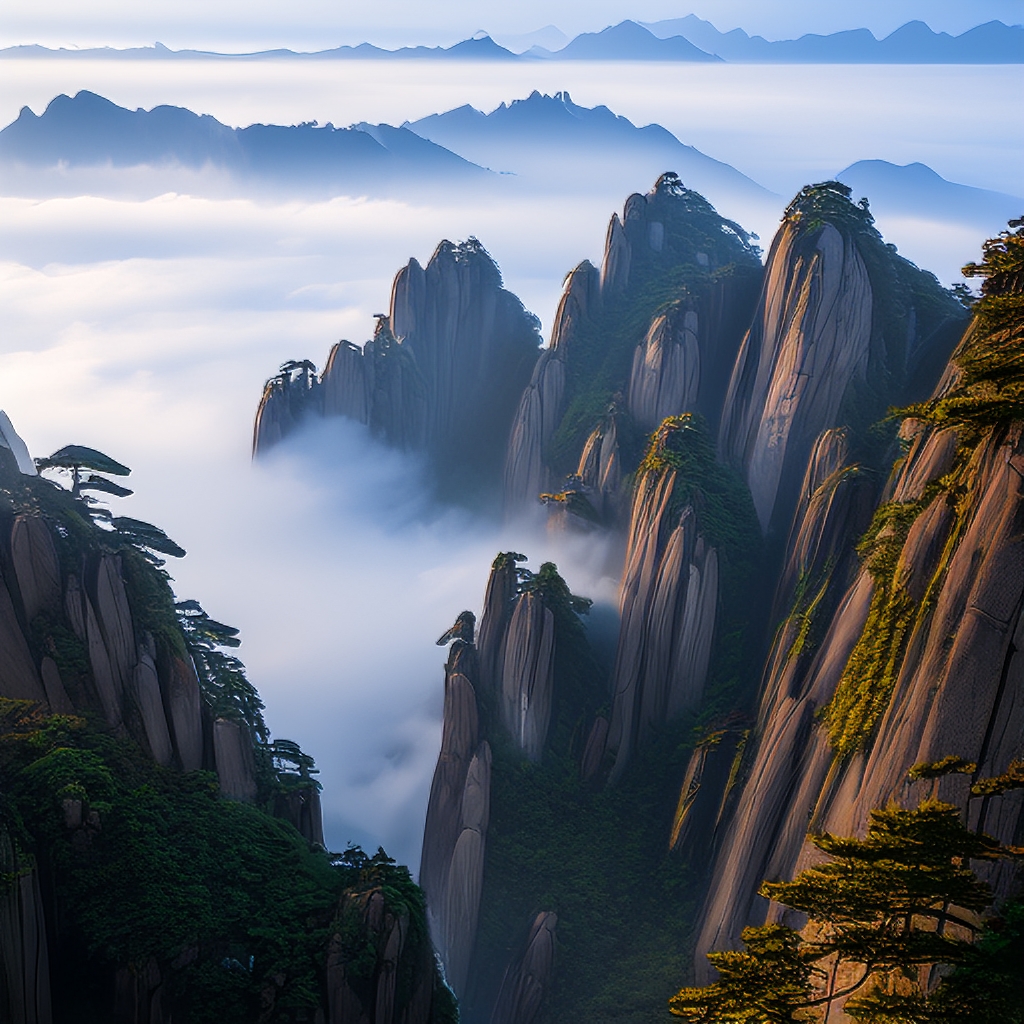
(442, 375)
(843, 328)
(653, 334)
(913, 657)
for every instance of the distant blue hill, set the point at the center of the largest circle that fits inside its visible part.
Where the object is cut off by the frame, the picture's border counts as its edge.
(552, 139)
(88, 131)
(476, 49)
(675, 39)
(626, 41)
(913, 43)
(915, 190)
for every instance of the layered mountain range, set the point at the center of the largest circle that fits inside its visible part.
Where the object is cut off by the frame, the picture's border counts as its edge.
(815, 595)
(87, 130)
(689, 39)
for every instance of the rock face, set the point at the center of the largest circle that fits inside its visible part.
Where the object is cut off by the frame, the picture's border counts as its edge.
(542, 405)
(810, 339)
(528, 674)
(442, 374)
(232, 748)
(670, 243)
(396, 983)
(844, 328)
(665, 378)
(24, 960)
(918, 659)
(668, 600)
(500, 690)
(458, 812)
(529, 976)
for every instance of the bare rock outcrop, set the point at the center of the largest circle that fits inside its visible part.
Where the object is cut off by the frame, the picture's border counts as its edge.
(499, 598)
(542, 404)
(529, 976)
(466, 870)
(833, 509)
(527, 678)
(665, 378)
(809, 340)
(184, 712)
(233, 753)
(668, 599)
(442, 375)
(36, 566)
(19, 679)
(149, 701)
(458, 812)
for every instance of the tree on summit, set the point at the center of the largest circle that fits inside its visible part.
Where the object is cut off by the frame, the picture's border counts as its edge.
(74, 458)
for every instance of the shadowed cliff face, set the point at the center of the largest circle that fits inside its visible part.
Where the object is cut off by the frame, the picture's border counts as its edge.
(507, 691)
(653, 334)
(442, 375)
(668, 602)
(910, 655)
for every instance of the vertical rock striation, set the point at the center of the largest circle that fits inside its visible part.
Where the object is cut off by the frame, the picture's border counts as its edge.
(458, 811)
(668, 600)
(809, 340)
(665, 378)
(442, 375)
(528, 671)
(653, 334)
(844, 328)
(542, 404)
(529, 976)
(916, 660)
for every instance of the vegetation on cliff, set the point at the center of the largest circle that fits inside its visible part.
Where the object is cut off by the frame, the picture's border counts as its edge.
(701, 250)
(152, 884)
(987, 390)
(983, 396)
(881, 910)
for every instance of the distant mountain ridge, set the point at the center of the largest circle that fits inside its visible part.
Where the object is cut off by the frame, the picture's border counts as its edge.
(88, 130)
(626, 41)
(912, 43)
(550, 135)
(478, 48)
(916, 190)
(671, 40)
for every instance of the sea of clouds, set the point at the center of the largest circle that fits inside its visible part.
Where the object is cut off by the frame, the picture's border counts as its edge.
(146, 328)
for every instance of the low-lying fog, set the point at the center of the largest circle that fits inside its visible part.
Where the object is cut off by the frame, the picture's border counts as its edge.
(146, 329)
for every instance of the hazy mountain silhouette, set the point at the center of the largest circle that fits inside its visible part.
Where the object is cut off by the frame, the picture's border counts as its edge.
(478, 48)
(913, 43)
(626, 41)
(915, 190)
(89, 131)
(674, 39)
(554, 139)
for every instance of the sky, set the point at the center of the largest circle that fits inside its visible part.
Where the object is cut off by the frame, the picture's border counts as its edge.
(238, 25)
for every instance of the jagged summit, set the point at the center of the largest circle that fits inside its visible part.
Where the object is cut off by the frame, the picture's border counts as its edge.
(551, 138)
(649, 335)
(441, 375)
(87, 130)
